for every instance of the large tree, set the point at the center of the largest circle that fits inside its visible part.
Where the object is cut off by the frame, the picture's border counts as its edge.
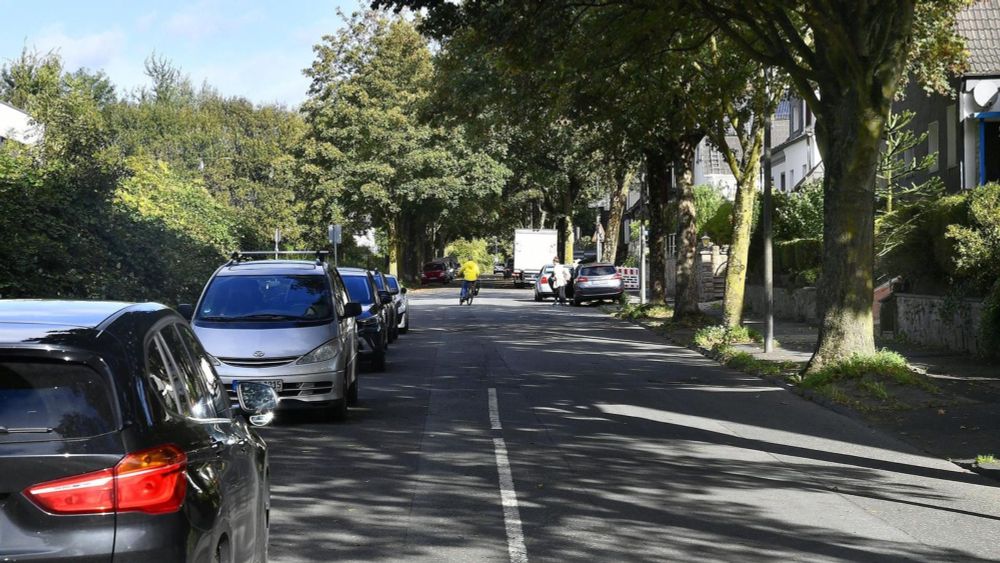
(846, 58)
(372, 155)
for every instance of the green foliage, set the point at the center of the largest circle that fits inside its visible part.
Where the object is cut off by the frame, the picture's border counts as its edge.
(712, 337)
(884, 364)
(799, 214)
(714, 214)
(748, 363)
(477, 250)
(635, 312)
(986, 458)
(977, 243)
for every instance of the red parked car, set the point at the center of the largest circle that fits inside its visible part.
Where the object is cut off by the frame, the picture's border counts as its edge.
(435, 272)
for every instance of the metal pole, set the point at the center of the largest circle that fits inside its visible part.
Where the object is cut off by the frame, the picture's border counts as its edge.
(642, 261)
(768, 256)
(334, 255)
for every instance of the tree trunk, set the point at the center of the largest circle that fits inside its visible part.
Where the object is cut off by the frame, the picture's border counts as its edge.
(658, 188)
(393, 243)
(617, 201)
(568, 196)
(686, 299)
(739, 250)
(849, 137)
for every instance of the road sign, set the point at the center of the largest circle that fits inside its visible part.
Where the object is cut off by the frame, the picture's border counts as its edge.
(335, 234)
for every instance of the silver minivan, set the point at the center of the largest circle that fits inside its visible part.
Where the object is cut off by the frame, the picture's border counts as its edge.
(286, 323)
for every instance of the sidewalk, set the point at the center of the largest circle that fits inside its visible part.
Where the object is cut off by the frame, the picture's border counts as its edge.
(958, 423)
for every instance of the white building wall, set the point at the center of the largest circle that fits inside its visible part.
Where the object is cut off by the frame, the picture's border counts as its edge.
(800, 156)
(18, 126)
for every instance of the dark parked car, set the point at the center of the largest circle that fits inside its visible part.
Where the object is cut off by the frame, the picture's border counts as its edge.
(117, 440)
(596, 282)
(391, 314)
(373, 330)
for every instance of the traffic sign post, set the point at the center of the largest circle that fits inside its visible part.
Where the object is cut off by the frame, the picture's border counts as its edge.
(334, 233)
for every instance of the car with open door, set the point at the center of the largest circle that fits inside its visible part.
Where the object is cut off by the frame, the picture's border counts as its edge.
(118, 441)
(398, 293)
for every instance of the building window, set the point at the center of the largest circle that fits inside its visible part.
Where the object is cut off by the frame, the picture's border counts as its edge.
(783, 181)
(791, 177)
(933, 139)
(951, 135)
(804, 171)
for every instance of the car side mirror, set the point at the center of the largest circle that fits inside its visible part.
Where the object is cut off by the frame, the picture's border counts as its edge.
(186, 310)
(352, 309)
(258, 401)
(385, 297)
(403, 290)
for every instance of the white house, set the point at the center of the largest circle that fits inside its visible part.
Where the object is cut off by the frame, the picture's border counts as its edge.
(17, 125)
(794, 153)
(710, 167)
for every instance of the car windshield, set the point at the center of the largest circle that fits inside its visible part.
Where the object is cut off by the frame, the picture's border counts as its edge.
(393, 284)
(359, 289)
(598, 271)
(53, 401)
(433, 267)
(267, 298)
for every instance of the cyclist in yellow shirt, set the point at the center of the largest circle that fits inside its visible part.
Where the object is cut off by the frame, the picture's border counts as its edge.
(469, 271)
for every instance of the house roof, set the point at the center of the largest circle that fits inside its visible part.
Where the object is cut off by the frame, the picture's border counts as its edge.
(979, 24)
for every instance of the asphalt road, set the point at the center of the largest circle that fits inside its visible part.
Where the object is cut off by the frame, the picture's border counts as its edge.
(605, 444)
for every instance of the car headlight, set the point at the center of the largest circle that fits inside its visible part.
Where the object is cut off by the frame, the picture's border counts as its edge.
(326, 352)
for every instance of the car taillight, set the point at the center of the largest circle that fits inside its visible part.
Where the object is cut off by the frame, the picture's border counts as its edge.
(545, 279)
(151, 481)
(582, 279)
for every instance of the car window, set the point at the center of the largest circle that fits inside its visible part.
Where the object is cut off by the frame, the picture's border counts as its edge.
(378, 282)
(193, 398)
(267, 298)
(160, 379)
(210, 380)
(339, 295)
(58, 401)
(598, 271)
(359, 288)
(393, 284)
(433, 267)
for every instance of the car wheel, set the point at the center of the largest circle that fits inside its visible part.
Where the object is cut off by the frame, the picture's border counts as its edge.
(352, 389)
(538, 296)
(406, 324)
(393, 332)
(576, 301)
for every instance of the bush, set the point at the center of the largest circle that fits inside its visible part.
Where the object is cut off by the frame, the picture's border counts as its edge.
(713, 214)
(475, 249)
(715, 336)
(799, 214)
(883, 364)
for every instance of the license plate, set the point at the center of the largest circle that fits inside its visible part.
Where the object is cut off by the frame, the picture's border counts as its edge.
(276, 384)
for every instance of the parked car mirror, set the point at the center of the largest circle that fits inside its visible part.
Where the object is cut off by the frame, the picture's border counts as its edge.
(258, 401)
(403, 290)
(186, 310)
(352, 309)
(385, 297)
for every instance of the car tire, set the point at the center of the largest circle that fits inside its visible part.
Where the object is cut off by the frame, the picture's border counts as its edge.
(393, 332)
(577, 301)
(406, 324)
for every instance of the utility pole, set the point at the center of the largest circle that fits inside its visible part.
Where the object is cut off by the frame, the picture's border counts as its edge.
(642, 242)
(768, 255)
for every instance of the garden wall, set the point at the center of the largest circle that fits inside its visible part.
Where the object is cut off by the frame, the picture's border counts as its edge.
(939, 322)
(789, 304)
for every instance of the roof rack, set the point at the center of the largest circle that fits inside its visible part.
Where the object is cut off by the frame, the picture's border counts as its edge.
(243, 255)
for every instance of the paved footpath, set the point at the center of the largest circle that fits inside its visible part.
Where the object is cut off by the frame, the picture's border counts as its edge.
(516, 431)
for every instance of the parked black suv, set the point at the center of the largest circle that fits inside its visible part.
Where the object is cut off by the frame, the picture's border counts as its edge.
(117, 441)
(373, 324)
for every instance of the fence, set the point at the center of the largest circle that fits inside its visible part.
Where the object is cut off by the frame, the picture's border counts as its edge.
(630, 276)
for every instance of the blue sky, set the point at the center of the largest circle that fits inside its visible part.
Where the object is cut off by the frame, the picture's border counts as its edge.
(254, 49)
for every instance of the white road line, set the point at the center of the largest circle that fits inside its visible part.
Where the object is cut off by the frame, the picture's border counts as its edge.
(494, 410)
(508, 494)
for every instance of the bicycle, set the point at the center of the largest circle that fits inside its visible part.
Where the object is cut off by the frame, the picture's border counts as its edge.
(469, 295)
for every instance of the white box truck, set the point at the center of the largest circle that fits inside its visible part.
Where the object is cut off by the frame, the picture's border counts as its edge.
(532, 250)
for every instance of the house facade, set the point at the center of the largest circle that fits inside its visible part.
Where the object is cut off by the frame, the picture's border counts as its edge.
(795, 156)
(963, 126)
(16, 125)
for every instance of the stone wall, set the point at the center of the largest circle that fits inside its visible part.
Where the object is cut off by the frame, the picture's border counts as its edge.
(789, 304)
(934, 321)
